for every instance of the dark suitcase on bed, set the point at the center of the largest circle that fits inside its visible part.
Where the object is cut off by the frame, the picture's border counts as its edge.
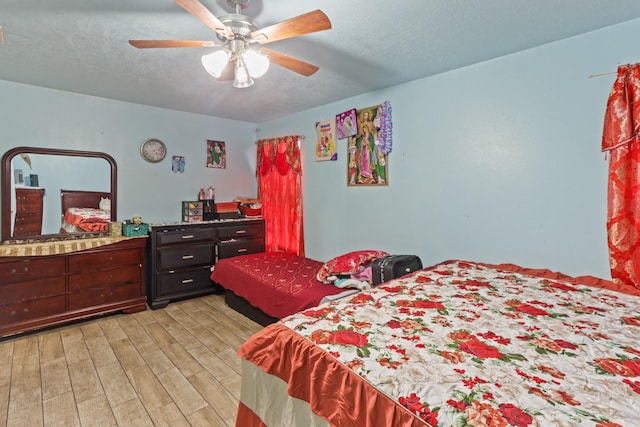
(393, 266)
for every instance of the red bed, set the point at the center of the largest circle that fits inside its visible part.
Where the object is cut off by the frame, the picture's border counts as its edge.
(81, 211)
(274, 284)
(458, 343)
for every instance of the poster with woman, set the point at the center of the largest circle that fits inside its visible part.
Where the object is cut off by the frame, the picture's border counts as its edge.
(367, 162)
(216, 154)
(325, 141)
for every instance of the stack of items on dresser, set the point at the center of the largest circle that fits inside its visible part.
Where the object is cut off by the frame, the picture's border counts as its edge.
(227, 210)
(249, 207)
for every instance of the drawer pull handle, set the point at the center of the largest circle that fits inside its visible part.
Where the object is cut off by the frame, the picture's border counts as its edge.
(185, 281)
(13, 312)
(14, 271)
(188, 236)
(187, 256)
(241, 231)
(26, 310)
(243, 250)
(110, 258)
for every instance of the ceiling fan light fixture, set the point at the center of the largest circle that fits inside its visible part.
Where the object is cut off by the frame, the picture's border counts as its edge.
(242, 77)
(215, 62)
(256, 64)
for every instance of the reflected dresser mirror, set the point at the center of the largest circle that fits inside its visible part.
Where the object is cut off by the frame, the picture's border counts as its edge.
(53, 193)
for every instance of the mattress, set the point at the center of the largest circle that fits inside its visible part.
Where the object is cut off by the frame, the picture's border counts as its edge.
(277, 283)
(458, 343)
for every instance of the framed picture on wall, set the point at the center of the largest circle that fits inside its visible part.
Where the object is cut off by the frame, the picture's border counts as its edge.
(216, 154)
(366, 163)
(177, 164)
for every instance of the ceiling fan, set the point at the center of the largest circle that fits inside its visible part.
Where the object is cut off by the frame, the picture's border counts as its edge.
(236, 34)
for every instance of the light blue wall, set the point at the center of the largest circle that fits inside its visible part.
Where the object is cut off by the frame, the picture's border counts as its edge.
(32, 116)
(496, 162)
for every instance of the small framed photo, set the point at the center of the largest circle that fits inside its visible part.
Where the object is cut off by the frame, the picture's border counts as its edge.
(177, 164)
(18, 178)
(216, 154)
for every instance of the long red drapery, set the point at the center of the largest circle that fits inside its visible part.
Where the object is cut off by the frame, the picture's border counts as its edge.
(621, 139)
(279, 172)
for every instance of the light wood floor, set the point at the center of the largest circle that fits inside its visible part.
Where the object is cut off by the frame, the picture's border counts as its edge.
(169, 367)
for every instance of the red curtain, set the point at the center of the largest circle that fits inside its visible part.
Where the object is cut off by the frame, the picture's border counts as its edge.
(620, 139)
(279, 172)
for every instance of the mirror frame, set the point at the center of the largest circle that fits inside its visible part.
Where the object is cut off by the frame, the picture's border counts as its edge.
(6, 187)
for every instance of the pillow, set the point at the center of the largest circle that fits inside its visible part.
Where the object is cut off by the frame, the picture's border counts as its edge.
(347, 264)
(105, 204)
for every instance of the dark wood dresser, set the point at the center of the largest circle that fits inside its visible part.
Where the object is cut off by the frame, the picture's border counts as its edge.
(47, 290)
(180, 256)
(28, 221)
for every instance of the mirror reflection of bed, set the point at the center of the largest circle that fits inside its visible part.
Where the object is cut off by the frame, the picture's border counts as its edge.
(85, 211)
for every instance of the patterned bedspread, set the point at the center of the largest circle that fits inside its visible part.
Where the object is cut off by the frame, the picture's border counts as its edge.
(468, 345)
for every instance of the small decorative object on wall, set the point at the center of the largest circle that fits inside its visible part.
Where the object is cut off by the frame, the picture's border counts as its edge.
(26, 158)
(177, 164)
(368, 150)
(346, 124)
(216, 154)
(325, 140)
(153, 150)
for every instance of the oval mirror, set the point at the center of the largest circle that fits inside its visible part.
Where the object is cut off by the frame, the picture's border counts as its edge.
(40, 185)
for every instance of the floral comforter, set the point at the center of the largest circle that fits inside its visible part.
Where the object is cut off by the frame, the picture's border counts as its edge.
(467, 345)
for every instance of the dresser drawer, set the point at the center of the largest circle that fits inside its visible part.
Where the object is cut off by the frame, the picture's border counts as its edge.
(107, 259)
(184, 256)
(240, 231)
(32, 289)
(29, 219)
(240, 247)
(185, 236)
(96, 297)
(27, 310)
(108, 277)
(31, 268)
(184, 281)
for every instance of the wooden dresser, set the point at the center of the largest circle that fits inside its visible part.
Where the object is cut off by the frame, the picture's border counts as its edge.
(180, 256)
(28, 221)
(41, 291)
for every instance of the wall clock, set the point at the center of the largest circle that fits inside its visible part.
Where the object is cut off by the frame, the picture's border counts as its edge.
(153, 150)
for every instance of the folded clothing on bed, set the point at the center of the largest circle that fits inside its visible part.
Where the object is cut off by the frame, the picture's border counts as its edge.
(279, 284)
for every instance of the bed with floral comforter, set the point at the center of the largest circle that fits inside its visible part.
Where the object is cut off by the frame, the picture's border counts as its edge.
(457, 344)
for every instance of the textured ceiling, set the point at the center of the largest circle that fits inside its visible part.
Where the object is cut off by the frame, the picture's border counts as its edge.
(81, 46)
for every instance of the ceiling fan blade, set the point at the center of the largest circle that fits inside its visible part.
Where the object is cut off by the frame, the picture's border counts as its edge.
(198, 10)
(304, 24)
(290, 62)
(148, 44)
